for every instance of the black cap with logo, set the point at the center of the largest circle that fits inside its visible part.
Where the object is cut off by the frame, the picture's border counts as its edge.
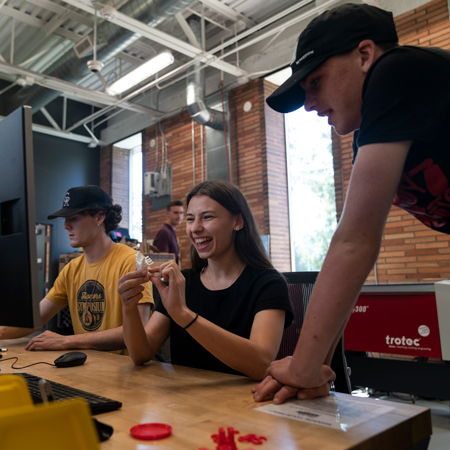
(78, 199)
(334, 31)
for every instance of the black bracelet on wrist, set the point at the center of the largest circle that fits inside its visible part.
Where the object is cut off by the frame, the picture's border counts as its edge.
(190, 323)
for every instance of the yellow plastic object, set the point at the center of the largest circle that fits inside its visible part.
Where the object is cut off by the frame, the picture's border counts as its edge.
(13, 392)
(52, 426)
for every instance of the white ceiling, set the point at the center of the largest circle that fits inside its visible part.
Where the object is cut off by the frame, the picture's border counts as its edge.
(243, 40)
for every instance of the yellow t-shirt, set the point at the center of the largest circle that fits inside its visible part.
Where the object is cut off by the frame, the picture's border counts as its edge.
(81, 284)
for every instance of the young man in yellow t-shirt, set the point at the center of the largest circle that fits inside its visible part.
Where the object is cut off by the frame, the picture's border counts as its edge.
(88, 284)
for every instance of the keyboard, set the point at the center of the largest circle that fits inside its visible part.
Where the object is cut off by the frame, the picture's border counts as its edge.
(97, 403)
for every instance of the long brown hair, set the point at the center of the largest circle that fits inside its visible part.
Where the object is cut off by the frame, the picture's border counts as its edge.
(247, 242)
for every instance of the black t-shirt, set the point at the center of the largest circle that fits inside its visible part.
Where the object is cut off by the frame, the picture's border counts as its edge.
(406, 96)
(232, 309)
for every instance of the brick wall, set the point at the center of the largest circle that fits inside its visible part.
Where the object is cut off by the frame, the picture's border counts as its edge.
(250, 152)
(114, 178)
(339, 174)
(106, 168)
(410, 251)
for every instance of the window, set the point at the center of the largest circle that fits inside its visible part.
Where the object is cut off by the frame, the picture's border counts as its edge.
(312, 204)
(136, 192)
(127, 183)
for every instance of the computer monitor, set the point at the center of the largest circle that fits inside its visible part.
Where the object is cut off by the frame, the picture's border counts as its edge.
(19, 294)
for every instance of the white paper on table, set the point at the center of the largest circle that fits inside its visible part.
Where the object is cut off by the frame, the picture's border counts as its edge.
(332, 412)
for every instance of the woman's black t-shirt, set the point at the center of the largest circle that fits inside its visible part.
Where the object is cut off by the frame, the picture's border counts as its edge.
(232, 309)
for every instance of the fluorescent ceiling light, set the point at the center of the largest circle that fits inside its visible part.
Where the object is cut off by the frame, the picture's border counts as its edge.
(141, 73)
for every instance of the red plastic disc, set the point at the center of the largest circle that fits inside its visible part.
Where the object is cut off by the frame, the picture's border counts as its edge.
(151, 431)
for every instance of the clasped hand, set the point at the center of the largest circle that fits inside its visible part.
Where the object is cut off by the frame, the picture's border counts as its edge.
(171, 288)
(130, 287)
(280, 382)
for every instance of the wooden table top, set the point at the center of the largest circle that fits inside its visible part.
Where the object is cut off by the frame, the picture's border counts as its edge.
(196, 403)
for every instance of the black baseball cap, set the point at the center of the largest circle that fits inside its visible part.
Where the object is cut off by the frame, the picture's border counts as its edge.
(78, 199)
(334, 31)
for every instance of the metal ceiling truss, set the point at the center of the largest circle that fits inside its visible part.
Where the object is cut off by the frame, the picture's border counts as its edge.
(160, 37)
(209, 55)
(213, 57)
(71, 89)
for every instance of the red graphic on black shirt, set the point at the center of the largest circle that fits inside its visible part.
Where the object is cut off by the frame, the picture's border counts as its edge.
(424, 192)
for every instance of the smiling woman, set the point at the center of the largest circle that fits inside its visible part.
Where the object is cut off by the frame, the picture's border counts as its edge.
(211, 229)
(227, 313)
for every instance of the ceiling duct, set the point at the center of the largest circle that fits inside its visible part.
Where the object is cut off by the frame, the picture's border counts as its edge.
(70, 68)
(195, 89)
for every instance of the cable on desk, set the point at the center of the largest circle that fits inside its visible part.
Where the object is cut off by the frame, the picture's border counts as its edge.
(24, 367)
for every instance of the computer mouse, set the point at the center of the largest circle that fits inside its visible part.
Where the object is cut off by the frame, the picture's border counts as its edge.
(70, 359)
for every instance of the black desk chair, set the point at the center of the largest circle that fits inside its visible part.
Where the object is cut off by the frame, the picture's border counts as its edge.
(300, 286)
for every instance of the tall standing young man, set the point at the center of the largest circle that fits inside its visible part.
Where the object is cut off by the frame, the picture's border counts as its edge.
(350, 68)
(166, 238)
(88, 284)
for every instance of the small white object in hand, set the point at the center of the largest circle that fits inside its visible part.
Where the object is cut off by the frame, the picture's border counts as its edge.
(143, 262)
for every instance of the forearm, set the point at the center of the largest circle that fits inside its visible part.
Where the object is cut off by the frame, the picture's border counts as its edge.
(344, 271)
(15, 332)
(241, 354)
(332, 349)
(107, 340)
(353, 252)
(135, 337)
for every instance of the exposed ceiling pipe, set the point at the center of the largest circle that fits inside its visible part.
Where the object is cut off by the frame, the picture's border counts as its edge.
(115, 39)
(195, 89)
